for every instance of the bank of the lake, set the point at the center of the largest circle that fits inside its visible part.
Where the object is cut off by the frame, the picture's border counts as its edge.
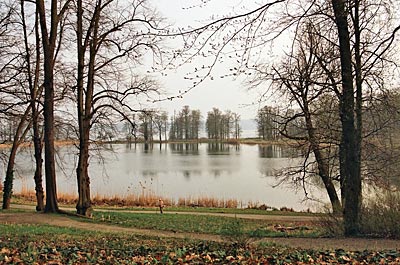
(245, 173)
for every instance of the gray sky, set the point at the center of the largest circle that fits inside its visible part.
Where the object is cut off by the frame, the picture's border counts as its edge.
(224, 93)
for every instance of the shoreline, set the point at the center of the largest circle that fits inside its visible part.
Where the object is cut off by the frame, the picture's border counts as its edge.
(246, 141)
(152, 200)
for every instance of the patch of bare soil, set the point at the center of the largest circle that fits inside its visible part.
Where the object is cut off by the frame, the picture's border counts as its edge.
(350, 244)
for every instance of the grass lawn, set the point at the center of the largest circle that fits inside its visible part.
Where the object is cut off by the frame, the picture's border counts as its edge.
(217, 225)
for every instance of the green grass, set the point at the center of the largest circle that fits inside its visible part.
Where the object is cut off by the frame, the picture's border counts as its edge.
(38, 230)
(193, 223)
(209, 210)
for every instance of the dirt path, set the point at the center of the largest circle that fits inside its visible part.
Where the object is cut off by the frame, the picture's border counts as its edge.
(352, 244)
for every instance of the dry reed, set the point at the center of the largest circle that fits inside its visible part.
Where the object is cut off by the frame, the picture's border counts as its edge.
(135, 200)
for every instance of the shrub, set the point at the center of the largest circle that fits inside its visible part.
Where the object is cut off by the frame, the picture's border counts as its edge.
(331, 224)
(380, 216)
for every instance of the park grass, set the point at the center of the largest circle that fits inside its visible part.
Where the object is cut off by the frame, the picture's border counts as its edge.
(211, 210)
(205, 224)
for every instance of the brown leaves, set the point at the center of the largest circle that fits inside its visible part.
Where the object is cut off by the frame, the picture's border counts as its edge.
(51, 248)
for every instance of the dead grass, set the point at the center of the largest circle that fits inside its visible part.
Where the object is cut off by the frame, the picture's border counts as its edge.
(207, 202)
(134, 200)
(30, 144)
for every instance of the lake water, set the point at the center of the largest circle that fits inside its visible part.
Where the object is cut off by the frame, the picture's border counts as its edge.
(242, 172)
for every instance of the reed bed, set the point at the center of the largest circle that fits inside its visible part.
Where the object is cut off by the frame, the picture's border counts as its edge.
(135, 200)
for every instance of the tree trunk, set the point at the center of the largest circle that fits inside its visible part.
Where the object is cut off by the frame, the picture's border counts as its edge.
(37, 141)
(50, 169)
(84, 205)
(34, 92)
(48, 42)
(84, 107)
(8, 182)
(359, 100)
(351, 166)
(323, 170)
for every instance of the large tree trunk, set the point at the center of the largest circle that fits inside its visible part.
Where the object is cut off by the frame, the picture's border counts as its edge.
(350, 162)
(84, 205)
(50, 169)
(84, 107)
(48, 42)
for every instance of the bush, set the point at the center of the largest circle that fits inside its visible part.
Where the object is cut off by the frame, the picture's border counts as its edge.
(380, 217)
(331, 224)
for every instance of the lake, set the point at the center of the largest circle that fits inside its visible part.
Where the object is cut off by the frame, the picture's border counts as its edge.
(222, 171)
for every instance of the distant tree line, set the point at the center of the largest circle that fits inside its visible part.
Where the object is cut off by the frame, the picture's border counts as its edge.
(221, 125)
(185, 124)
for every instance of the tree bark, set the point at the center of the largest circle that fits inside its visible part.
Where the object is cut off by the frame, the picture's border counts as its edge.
(18, 137)
(84, 107)
(323, 170)
(351, 166)
(48, 51)
(34, 93)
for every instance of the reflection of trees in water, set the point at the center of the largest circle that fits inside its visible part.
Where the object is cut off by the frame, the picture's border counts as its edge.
(150, 174)
(148, 148)
(269, 167)
(190, 173)
(277, 151)
(185, 148)
(217, 148)
(270, 151)
(216, 173)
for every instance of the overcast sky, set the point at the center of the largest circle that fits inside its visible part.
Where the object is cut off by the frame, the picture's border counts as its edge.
(223, 93)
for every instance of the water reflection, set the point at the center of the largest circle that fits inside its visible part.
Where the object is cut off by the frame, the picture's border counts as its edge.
(188, 174)
(185, 148)
(217, 148)
(175, 171)
(277, 151)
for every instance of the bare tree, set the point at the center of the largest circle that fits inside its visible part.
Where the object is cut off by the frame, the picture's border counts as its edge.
(304, 82)
(347, 19)
(26, 74)
(267, 123)
(236, 124)
(185, 125)
(109, 33)
(35, 94)
(160, 121)
(50, 34)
